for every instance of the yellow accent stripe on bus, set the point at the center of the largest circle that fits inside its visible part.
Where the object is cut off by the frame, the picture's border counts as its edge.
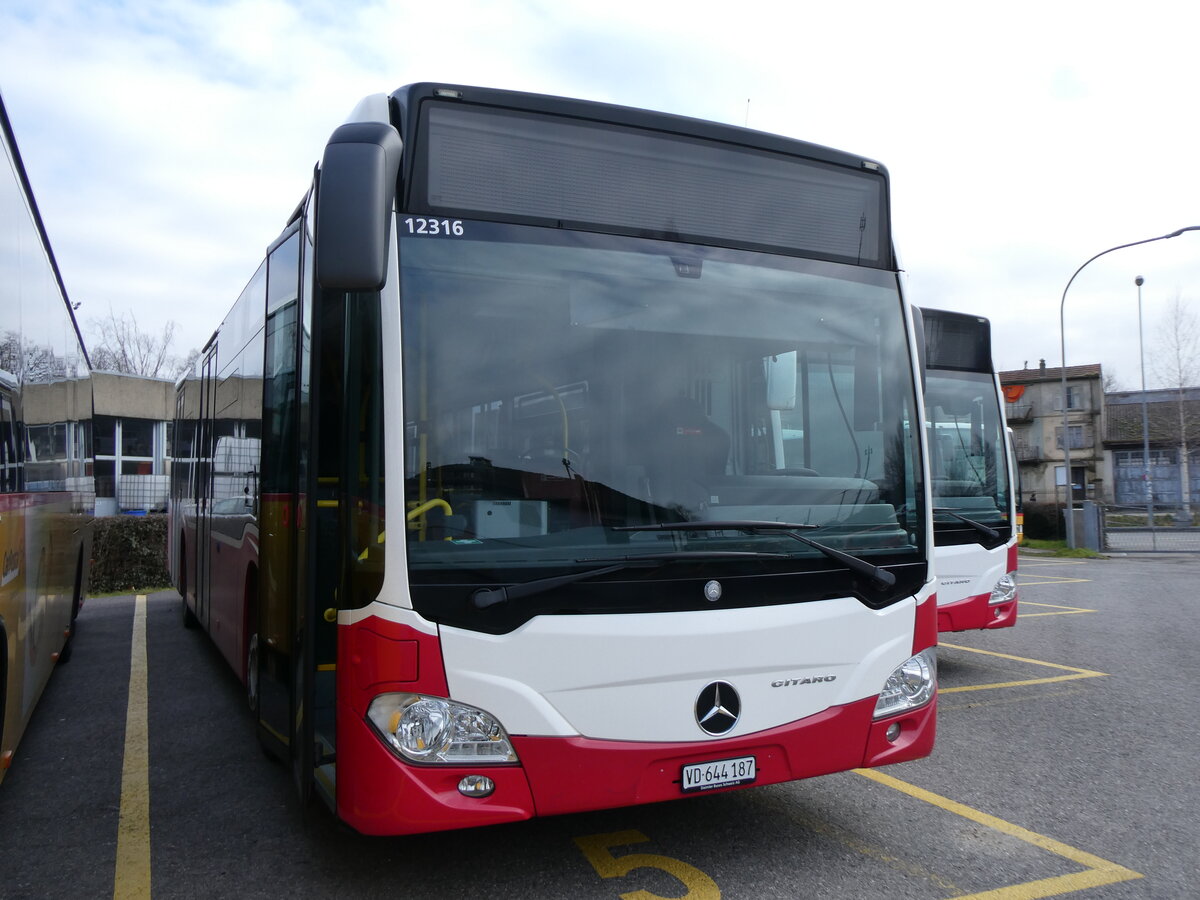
(132, 878)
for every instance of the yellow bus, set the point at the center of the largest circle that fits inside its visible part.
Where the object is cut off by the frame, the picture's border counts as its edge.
(47, 495)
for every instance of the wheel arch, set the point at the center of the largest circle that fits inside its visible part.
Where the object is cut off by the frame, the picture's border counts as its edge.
(250, 611)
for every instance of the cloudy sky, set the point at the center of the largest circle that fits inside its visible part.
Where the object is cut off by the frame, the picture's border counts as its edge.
(167, 142)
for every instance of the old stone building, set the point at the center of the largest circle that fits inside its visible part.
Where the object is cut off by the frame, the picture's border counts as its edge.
(1034, 409)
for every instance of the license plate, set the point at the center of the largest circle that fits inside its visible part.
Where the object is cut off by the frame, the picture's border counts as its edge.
(721, 773)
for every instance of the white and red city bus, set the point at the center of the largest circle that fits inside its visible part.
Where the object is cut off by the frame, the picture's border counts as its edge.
(637, 395)
(975, 525)
(47, 497)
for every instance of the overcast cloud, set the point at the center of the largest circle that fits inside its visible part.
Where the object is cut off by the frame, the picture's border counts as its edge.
(168, 142)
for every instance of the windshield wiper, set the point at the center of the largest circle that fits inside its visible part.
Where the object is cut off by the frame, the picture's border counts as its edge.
(985, 530)
(485, 597)
(880, 576)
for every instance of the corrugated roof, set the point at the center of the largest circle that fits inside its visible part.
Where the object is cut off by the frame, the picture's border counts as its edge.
(1033, 376)
(1123, 421)
(1153, 395)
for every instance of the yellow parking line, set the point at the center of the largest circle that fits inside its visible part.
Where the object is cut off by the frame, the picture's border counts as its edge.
(132, 877)
(1066, 610)
(1009, 684)
(1097, 871)
(1026, 580)
(1075, 671)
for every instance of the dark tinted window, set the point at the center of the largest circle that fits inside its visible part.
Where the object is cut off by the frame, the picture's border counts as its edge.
(280, 398)
(137, 437)
(105, 436)
(491, 164)
(957, 341)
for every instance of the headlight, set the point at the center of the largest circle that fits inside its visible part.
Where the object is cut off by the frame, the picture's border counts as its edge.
(435, 730)
(910, 686)
(1005, 589)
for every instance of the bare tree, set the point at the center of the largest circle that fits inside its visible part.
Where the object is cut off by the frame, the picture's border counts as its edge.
(1175, 363)
(123, 347)
(10, 353)
(187, 363)
(32, 363)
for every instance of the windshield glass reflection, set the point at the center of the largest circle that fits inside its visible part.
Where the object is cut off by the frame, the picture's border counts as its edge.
(560, 386)
(967, 460)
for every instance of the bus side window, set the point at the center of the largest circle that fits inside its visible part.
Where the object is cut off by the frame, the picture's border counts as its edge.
(10, 460)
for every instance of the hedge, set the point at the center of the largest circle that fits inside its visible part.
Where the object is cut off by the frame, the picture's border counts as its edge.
(1044, 521)
(129, 553)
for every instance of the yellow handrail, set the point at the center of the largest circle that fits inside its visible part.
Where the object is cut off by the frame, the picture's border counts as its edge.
(428, 505)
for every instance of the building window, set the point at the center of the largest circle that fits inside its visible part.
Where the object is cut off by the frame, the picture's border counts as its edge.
(1133, 458)
(106, 484)
(1078, 479)
(130, 464)
(137, 437)
(105, 435)
(1078, 437)
(1076, 397)
(48, 442)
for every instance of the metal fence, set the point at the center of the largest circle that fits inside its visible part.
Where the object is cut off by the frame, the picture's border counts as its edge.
(1129, 530)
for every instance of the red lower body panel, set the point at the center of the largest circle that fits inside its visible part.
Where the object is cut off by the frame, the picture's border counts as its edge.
(976, 612)
(379, 794)
(577, 774)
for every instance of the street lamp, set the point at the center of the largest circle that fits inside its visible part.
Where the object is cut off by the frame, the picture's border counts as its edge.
(1062, 332)
(1148, 479)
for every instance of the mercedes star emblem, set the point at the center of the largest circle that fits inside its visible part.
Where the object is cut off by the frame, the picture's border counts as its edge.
(718, 708)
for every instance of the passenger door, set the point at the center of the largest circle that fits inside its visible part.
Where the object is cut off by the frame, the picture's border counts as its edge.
(206, 444)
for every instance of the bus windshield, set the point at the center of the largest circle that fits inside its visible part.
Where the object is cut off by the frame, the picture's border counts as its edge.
(967, 454)
(562, 388)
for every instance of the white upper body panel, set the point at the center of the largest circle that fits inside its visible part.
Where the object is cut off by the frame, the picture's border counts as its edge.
(637, 677)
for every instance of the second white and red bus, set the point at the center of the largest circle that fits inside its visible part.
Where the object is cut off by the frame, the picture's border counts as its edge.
(972, 475)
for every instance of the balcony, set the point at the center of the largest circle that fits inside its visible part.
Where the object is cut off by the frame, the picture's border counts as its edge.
(1018, 412)
(1027, 453)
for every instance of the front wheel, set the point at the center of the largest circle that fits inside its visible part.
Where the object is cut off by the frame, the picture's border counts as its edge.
(188, 617)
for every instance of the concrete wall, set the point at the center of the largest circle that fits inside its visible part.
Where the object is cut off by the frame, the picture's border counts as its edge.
(133, 396)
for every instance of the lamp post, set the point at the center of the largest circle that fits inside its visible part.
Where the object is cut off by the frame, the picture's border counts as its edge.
(1147, 478)
(1062, 332)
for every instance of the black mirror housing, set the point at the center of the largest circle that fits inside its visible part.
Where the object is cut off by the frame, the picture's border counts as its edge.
(356, 187)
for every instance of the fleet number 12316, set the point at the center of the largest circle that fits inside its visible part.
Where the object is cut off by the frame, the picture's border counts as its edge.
(442, 227)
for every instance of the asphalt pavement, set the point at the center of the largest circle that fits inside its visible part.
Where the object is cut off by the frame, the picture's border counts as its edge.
(1064, 767)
